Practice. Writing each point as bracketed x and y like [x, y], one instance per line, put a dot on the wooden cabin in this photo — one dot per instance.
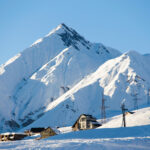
[47, 133]
[85, 122]
[33, 131]
[12, 136]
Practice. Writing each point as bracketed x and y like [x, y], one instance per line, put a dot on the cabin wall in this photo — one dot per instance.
[76, 127]
[47, 133]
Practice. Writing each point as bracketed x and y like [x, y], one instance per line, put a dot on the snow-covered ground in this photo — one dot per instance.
[139, 118]
[129, 143]
[111, 136]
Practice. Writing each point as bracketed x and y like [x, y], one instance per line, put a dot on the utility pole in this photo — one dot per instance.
[103, 112]
[123, 113]
[135, 99]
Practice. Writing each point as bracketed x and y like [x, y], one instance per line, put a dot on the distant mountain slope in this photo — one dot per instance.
[125, 77]
[41, 73]
[147, 57]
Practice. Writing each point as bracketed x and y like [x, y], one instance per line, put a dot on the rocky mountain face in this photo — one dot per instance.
[64, 75]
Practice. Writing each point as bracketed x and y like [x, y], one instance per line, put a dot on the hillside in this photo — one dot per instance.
[43, 72]
[63, 75]
[110, 136]
[121, 78]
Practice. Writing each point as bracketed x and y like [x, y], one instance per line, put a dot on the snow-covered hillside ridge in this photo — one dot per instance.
[125, 77]
[40, 74]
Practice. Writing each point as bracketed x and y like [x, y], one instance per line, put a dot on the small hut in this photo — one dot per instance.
[85, 122]
[47, 133]
[33, 131]
[12, 136]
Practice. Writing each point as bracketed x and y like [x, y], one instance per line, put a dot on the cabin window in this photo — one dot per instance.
[83, 119]
[83, 125]
[88, 125]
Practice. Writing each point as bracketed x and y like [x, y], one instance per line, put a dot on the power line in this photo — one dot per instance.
[103, 112]
[135, 99]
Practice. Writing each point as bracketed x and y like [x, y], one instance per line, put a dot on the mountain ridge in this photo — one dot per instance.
[125, 88]
[62, 70]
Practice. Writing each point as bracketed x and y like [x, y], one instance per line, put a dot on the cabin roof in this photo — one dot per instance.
[37, 129]
[49, 128]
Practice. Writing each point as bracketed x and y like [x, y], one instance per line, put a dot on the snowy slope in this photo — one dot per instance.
[41, 73]
[63, 75]
[139, 118]
[66, 109]
[15, 72]
[81, 143]
[126, 77]
[120, 78]
[107, 137]
[54, 79]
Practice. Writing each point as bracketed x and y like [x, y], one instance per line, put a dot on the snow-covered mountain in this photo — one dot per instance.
[125, 77]
[64, 75]
[35, 78]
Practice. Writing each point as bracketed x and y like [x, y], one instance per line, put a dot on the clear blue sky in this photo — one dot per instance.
[121, 24]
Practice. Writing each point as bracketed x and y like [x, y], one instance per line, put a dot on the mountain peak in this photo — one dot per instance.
[52, 66]
[59, 29]
[68, 35]
[62, 25]
[72, 38]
